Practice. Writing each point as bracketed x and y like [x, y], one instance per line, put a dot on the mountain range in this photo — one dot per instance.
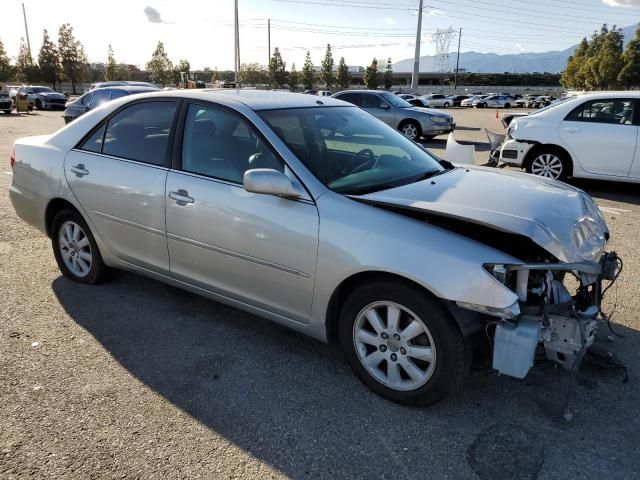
[552, 61]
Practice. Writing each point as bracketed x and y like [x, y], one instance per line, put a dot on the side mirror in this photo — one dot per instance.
[269, 182]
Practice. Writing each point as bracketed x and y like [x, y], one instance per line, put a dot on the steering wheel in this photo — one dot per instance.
[368, 164]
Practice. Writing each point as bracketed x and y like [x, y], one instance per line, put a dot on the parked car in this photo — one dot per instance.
[407, 96]
[456, 100]
[413, 122]
[97, 97]
[324, 93]
[6, 103]
[43, 98]
[469, 101]
[523, 101]
[322, 218]
[121, 83]
[310, 92]
[591, 136]
[437, 100]
[493, 101]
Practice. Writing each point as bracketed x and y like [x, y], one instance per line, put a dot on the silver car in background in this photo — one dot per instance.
[316, 215]
[396, 112]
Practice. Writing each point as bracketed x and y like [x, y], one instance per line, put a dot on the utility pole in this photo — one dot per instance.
[416, 58]
[237, 45]
[26, 29]
[269, 39]
[455, 84]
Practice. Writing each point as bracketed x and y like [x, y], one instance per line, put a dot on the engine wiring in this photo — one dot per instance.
[604, 315]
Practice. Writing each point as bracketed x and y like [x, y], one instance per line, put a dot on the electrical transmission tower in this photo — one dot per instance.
[442, 39]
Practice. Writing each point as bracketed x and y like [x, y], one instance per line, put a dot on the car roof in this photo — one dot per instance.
[127, 88]
[253, 99]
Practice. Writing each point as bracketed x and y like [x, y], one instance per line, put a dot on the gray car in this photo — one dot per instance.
[316, 215]
[97, 97]
[44, 98]
[413, 122]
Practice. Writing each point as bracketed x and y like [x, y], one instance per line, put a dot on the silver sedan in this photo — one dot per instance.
[312, 213]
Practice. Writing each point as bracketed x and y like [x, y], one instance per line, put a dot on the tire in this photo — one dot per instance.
[67, 247]
[507, 105]
[446, 105]
[411, 129]
[549, 162]
[416, 380]
[39, 104]
[7, 111]
[482, 105]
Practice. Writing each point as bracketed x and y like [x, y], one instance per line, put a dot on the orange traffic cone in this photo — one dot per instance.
[497, 116]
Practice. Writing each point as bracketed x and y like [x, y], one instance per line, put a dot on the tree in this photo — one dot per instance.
[371, 76]
[572, 75]
[609, 59]
[72, 56]
[26, 71]
[343, 77]
[49, 61]
[111, 70]
[253, 74]
[293, 78]
[184, 65]
[630, 74]
[5, 65]
[326, 68]
[160, 67]
[277, 69]
[307, 72]
[388, 75]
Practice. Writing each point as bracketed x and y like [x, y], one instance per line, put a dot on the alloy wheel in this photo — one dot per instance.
[410, 130]
[394, 345]
[75, 249]
[547, 165]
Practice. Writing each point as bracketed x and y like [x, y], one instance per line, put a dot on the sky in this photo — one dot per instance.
[202, 30]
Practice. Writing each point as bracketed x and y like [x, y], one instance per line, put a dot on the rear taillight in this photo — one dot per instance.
[12, 157]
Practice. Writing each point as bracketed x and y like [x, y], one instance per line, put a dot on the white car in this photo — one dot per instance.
[494, 101]
[437, 100]
[469, 101]
[324, 93]
[591, 136]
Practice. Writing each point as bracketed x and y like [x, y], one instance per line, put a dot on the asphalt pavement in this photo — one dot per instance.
[136, 379]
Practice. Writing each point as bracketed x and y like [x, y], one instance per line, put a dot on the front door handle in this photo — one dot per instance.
[181, 197]
[571, 130]
[79, 170]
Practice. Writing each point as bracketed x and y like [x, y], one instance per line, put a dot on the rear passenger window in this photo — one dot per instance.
[354, 98]
[140, 132]
[94, 142]
[221, 145]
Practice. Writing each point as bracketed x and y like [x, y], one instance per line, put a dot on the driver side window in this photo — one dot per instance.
[373, 101]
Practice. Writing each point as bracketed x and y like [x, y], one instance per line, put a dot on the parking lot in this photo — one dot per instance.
[136, 379]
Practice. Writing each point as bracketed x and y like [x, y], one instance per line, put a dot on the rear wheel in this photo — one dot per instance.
[411, 129]
[507, 105]
[446, 105]
[402, 343]
[39, 105]
[7, 111]
[76, 250]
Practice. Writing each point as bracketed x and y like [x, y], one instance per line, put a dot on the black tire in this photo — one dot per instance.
[416, 128]
[482, 105]
[565, 161]
[98, 271]
[39, 104]
[7, 111]
[447, 105]
[453, 354]
[507, 105]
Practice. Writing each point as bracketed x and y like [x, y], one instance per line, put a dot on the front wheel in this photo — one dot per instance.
[446, 105]
[7, 111]
[507, 105]
[76, 250]
[548, 163]
[402, 343]
[39, 105]
[411, 130]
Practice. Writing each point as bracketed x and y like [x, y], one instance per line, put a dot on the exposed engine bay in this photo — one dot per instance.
[564, 324]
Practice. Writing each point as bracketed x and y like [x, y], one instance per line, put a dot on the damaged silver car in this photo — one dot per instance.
[314, 214]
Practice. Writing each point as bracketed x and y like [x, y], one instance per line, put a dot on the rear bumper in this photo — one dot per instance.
[29, 206]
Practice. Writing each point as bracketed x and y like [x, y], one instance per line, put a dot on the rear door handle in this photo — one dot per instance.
[181, 197]
[79, 170]
[571, 130]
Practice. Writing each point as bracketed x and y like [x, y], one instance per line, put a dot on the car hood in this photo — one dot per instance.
[427, 111]
[50, 95]
[541, 209]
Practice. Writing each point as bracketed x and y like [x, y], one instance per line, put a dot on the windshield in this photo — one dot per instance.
[554, 104]
[350, 151]
[41, 89]
[394, 100]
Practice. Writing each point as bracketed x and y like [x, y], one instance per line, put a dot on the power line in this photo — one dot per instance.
[374, 6]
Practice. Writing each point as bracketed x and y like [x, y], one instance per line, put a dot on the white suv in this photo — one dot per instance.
[591, 136]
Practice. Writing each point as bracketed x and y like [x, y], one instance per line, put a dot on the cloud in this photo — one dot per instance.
[389, 21]
[622, 3]
[434, 12]
[153, 15]
[519, 47]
